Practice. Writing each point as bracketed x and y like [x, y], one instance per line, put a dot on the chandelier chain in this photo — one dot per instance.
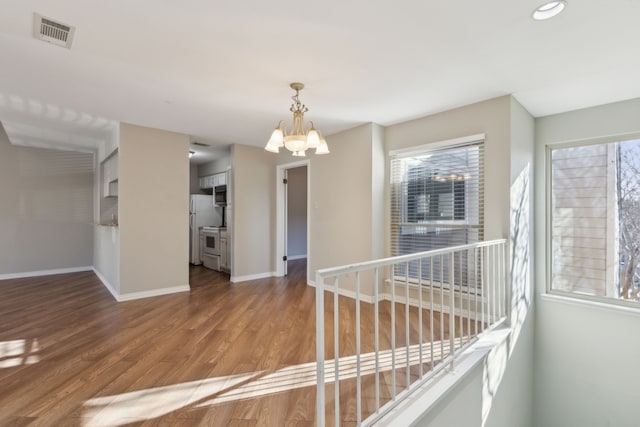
[297, 106]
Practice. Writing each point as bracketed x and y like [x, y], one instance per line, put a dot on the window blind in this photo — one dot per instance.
[437, 199]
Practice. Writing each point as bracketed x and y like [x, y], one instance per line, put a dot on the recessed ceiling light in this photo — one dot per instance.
[548, 10]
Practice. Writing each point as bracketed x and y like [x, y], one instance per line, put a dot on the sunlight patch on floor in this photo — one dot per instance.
[19, 352]
[151, 403]
[300, 376]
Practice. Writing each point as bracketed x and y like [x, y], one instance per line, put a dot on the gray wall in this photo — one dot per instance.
[586, 354]
[221, 164]
[46, 214]
[252, 216]
[153, 208]
[297, 212]
[194, 181]
[342, 211]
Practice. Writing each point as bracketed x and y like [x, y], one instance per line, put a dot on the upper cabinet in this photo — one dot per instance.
[110, 175]
[211, 181]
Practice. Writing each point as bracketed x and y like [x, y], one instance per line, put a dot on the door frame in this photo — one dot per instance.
[281, 214]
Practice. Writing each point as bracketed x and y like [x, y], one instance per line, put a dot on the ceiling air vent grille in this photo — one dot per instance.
[50, 31]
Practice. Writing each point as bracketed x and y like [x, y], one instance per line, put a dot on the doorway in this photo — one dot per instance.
[292, 217]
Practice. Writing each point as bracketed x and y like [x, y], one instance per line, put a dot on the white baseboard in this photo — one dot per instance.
[294, 257]
[345, 292]
[44, 272]
[153, 293]
[139, 295]
[105, 282]
[107, 285]
[236, 279]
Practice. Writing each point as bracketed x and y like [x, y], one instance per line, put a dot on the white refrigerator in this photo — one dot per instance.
[201, 214]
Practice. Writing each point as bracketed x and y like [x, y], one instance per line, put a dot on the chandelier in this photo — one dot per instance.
[297, 139]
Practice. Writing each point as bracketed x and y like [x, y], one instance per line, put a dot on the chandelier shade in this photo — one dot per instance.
[298, 139]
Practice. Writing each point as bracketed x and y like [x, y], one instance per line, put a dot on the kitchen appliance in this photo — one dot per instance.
[220, 194]
[201, 214]
[211, 247]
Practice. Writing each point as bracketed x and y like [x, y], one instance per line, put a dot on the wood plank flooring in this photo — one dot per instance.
[220, 355]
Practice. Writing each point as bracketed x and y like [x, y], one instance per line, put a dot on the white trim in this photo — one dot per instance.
[236, 279]
[603, 139]
[44, 272]
[280, 217]
[449, 143]
[344, 292]
[106, 284]
[548, 188]
[154, 293]
[576, 301]
[295, 257]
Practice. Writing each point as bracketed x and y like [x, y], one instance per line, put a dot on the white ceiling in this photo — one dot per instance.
[219, 71]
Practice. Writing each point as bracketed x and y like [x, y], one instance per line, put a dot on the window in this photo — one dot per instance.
[436, 199]
[595, 219]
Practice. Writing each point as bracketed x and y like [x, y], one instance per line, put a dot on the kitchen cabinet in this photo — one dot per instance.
[212, 181]
[220, 179]
[224, 250]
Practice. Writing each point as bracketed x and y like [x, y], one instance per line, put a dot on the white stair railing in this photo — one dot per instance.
[446, 298]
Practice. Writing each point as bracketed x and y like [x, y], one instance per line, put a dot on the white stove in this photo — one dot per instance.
[210, 242]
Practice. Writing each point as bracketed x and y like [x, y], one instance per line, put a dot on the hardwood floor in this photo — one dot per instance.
[220, 355]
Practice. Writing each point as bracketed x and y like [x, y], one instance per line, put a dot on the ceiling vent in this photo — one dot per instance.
[50, 31]
[200, 144]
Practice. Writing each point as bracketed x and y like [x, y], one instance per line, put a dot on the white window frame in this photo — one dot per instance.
[420, 150]
[609, 301]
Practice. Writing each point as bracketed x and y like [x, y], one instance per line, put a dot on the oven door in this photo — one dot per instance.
[211, 261]
[211, 243]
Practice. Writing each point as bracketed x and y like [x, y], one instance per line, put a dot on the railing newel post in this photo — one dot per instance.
[452, 303]
[420, 314]
[377, 337]
[393, 334]
[358, 374]
[320, 392]
[336, 345]
[406, 325]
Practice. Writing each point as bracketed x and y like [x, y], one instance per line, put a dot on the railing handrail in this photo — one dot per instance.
[496, 273]
[366, 265]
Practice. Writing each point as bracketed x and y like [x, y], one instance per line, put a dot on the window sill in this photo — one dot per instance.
[613, 306]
